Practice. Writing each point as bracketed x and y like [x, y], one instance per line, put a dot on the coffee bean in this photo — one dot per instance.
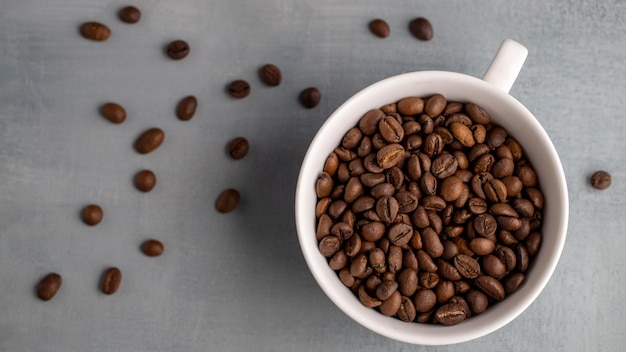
[495, 137]
[145, 180]
[424, 300]
[601, 180]
[92, 215]
[528, 177]
[373, 231]
[493, 266]
[484, 164]
[95, 31]
[533, 242]
[111, 280]
[521, 254]
[536, 197]
[368, 124]
[379, 28]
[421, 29]
[238, 89]
[433, 203]
[477, 301]
[485, 225]
[502, 168]
[113, 112]
[228, 200]
[149, 140]
[390, 306]
[444, 291]
[435, 105]
[129, 14]
[433, 145]
[339, 260]
[238, 148]
[152, 248]
[178, 49]
[461, 287]
[407, 202]
[48, 286]
[513, 282]
[407, 282]
[411, 106]
[495, 191]
[271, 75]
[451, 188]
[391, 130]
[450, 314]
[390, 155]
[447, 270]
[342, 230]
[467, 266]
[463, 134]
[400, 234]
[395, 177]
[367, 300]
[407, 311]
[394, 259]
[491, 287]
[444, 166]
[187, 108]
[310, 97]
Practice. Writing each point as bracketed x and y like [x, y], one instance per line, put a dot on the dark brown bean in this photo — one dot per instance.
[407, 201]
[421, 29]
[435, 105]
[373, 231]
[463, 134]
[238, 89]
[394, 259]
[513, 282]
[178, 50]
[467, 266]
[411, 106]
[150, 140]
[491, 287]
[406, 312]
[390, 155]
[400, 234]
[407, 282]
[390, 306]
[521, 254]
[111, 280]
[353, 190]
[425, 300]
[451, 188]
[533, 243]
[448, 271]
[601, 180]
[145, 180]
[48, 286]
[113, 112]
[239, 147]
[310, 97]
[450, 314]
[432, 243]
[95, 31]
[228, 200]
[187, 108]
[477, 301]
[92, 214]
[428, 280]
[379, 28]
[129, 14]
[391, 130]
[271, 75]
[493, 266]
[367, 300]
[152, 248]
[444, 291]
[386, 289]
[485, 225]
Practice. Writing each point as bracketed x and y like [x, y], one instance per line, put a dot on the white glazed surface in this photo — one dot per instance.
[505, 111]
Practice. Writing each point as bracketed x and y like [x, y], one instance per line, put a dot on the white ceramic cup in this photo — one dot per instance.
[491, 93]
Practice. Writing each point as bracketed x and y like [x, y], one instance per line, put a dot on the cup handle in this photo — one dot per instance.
[506, 65]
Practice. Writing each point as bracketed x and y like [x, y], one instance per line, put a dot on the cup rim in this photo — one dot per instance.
[432, 334]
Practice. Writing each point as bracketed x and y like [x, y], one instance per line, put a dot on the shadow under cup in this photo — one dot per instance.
[505, 111]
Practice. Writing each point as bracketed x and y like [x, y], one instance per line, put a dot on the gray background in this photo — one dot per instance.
[238, 282]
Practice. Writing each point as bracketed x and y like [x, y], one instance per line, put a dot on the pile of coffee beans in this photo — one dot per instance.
[428, 211]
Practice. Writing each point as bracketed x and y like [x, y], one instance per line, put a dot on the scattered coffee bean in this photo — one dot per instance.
[310, 97]
[177, 50]
[429, 211]
[149, 140]
[92, 215]
[111, 280]
[145, 180]
[187, 108]
[421, 29]
[95, 31]
[239, 89]
[129, 14]
[227, 200]
[379, 28]
[238, 148]
[152, 248]
[48, 286]
[601, 180]
[271, 75]
[113, 112]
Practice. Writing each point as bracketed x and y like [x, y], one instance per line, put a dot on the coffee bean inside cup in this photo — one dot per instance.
[428, 211]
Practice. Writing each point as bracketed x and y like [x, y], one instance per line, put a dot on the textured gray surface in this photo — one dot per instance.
[237, 282]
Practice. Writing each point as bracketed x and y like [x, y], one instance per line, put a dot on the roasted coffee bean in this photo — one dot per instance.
[368, 124]
[187, 108]
[390, 306]
[95, 31]
[227, 201]
[358, 265]
[484, 163]
[424, 300]
[409, 260]
[435, 105]
[331, 164]
[521, 254]
[323, 226]
[506, 238]
[513, 186]
[379, 28]
[444, 291]
[477, 301]
[467, 266]
[342, 230]
[451, 188]
[462, 162]
[271, 75]
[601, 180]
[536, 198]
[504, 152]
[390, 155]
[448, 271]
[419, 217]
[353, 190]
[460, 300]
[478, 181]
[463, 134]
[495, 137]
[48, 286]
[446, 135]
[113, 112]
[428, 280]
[386, 289]
[373, 231]
[433, 145]
[346, 278]
[503, 209]
[421, 29]
[502, 168]
[527, 175]
[377, 260]
[149, 140]
[238, 148]
[378, 141]
[450, 314]
[343, 173]
[477, 114]
[329, 245]
[394, 259]
[395, 176]
[111, 280]
[92, 214]
[432, 243]
[348, 217]
[322, 206]
[407, 201]
[452, 108]
[339, 260]
[363, 203]
[152, 248]
[178, 50]
[129, 14]
[367, 300]
[482, 246]
[428, 183]
[450, 250]
[406, 312]
[352, 138]
[238, 89]
[353, 245]
[391, 130]
[477, 151]
[365, 147]
[400, 234]
[444, 166]
[493, 266]
[479, 132]
[412, 128]
[425, 262]
[491, 287]
[513, 282]
[407, 282]
[371, 180]
[310, 97]
[383, 190]
[371, 282]
[524, 207]
[461, 287]
[510, 223]
[485, 225]
[145, 180]
[433, 203]
[506, 256]
[337, 192]
[427, 123]
[533, 243]
[495, 191]
[345, 154]
[411, 106]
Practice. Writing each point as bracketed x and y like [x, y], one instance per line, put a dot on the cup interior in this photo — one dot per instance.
[505, 111]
